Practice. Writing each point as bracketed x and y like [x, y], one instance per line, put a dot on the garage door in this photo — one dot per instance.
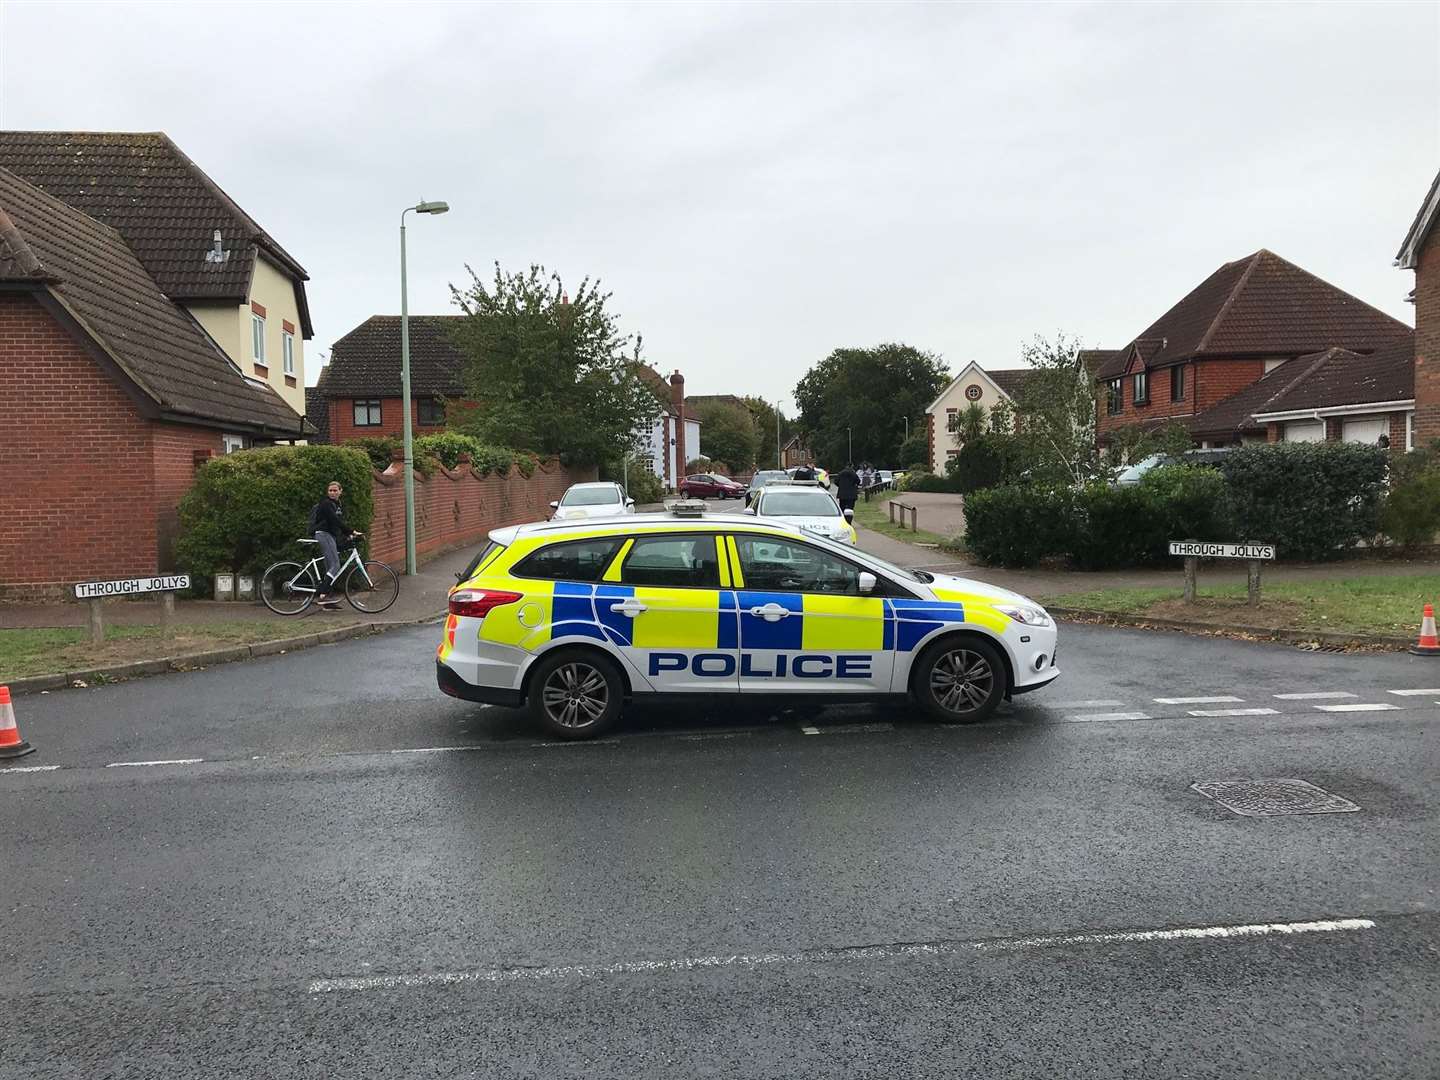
[1367, 431]
[1305, 431]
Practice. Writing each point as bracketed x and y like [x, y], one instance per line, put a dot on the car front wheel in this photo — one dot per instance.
[960, 680]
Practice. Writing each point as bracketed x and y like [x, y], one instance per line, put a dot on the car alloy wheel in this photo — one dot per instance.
[962, 681]
[576, 695]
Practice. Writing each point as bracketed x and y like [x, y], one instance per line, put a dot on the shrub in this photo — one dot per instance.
[915, 451]
[1411, 514]
[699, 465]
[1019, 525]
[980, 464]
[1311, 500]
[245, 510]
[446, 446]
[929, 482]
[379, 448]
[644, 485]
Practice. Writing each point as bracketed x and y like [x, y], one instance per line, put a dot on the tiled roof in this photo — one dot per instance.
[1092, 360]
[1009, 379]
[1261, 305]
[88, 268]
[1425, 218]
[160, 201]
[317, 413]
[366, 361]
[699, 401]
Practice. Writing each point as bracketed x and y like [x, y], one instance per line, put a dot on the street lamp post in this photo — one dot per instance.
[408, 436]
[849, 446]
[779, 453]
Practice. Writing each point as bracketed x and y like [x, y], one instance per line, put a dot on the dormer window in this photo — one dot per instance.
[1141, 393]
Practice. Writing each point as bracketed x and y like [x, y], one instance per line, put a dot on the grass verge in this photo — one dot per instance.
[52, 650]
[1366, 605]
[875, 517]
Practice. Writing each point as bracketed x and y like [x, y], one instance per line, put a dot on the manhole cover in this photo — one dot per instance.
[1271, 798]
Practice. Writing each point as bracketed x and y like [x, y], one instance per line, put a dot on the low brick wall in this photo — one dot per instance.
[456, 508]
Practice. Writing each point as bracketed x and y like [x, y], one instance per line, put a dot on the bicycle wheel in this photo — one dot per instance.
[276, 590]
[372, 587]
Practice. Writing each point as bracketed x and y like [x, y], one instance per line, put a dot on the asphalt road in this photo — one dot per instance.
[336, 871]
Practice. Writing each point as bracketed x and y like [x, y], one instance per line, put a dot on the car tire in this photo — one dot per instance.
[575, 694]
[959, 679]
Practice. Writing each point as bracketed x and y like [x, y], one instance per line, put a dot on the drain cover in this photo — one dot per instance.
[1272, 798]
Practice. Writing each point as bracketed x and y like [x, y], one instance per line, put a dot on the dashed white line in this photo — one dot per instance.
[1233, 712]
[1085, 717]
[1415, 693]
[1381, 706]
[29, 768]
[1195, 700]
[435, 749]
[147, 764]
[810, 730]
[1318, 695]
[821, 956]
[847, 729]
[1102, 703]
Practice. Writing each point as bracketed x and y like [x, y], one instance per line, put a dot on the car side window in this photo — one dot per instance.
[774, 564]
[671, 562]
[572, 560]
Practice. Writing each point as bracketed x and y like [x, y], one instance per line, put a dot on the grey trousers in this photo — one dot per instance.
[332, 559]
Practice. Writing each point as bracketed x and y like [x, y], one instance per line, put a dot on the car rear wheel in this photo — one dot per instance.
[959, 680]
[576, 694]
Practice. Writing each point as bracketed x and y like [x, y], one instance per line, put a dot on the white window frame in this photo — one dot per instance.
[356, 403]
[230, 443]
[257, 337]
[1140, 387]
[287, 352]
[1409, 431]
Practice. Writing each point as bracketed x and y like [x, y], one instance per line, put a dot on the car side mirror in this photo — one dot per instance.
[554, 506]
[459, 577]
[849, 514]
[867, 583]
[750, 510]
[629, 502]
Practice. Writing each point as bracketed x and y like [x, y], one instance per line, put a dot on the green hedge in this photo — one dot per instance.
[1018, 525]
[1411, 514]
[1132, 525]
[247, 509]
[1311, 500]
[930, 482]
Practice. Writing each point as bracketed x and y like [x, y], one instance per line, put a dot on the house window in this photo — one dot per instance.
[1114, 397]
[952, 421]
[230, 443]
[367, 413]
[432, 411]
[287, 352]
[1142, 388]
[1177, 383]
[257, 337]
[1409, 431]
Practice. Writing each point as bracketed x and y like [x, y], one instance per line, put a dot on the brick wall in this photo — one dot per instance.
[176, 451]
[342, 420]
[1216, 380]
[453, 509]
[1427, 342]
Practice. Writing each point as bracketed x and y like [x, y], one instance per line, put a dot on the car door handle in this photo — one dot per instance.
[628, 607]
[770, 612]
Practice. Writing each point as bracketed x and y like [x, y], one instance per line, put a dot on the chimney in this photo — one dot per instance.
[677, 406]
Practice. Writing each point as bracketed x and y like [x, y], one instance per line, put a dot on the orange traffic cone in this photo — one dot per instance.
[1429, 644]
[11, 745]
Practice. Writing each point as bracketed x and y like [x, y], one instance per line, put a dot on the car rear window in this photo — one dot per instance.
[492, 548]
[598, 496]
[571, 560]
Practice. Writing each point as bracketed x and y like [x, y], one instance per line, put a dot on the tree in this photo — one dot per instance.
[727, 432]
[549, 373]
[971, 423]
[1055, 410]
[915, 451]
[764, 415]
[1132, 443]
[870, 392]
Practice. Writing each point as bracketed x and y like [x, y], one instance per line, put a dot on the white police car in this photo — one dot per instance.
[572, 618]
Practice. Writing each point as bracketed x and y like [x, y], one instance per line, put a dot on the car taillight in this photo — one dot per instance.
[477, 603]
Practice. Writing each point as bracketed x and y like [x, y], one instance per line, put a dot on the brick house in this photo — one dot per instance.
[1229, 360]
[1420, 252]
[113, 394]
[199, 247]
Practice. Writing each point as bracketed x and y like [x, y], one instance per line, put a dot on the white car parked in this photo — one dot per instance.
[812, 509]
[604, 498]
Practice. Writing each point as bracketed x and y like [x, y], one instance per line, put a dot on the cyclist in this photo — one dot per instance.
[327, 525]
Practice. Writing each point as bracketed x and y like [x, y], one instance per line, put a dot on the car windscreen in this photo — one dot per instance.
[799, 504]
[598, 496]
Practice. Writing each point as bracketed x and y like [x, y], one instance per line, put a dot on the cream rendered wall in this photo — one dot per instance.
[954, 398]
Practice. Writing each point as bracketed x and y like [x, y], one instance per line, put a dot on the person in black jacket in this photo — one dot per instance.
[327, 525]
[847, 487]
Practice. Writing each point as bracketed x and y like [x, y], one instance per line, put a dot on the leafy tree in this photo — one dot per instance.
[1133, 443]
[764, 415]
[870, 392]
[1055, 407]
[728, 435]
[915, 451]
[550, 373]
[971, 423]
[980, 464]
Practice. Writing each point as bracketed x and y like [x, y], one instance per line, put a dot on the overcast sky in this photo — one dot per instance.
[759, 184]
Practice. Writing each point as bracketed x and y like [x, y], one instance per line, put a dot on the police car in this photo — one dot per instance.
[572, 618]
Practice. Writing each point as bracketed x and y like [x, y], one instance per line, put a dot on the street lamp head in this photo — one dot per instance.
[432, 208]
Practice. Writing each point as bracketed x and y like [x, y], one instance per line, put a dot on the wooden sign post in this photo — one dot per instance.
[1252, 552]
[95, 591]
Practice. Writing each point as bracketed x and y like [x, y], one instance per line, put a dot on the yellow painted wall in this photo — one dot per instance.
[229, 325]
[954, 398]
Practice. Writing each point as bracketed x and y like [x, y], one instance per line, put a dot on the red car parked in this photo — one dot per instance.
[710, 486]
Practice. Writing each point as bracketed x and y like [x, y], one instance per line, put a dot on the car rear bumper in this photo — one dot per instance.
[451, 683]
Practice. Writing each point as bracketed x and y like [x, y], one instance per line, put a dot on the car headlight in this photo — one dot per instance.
[1025, 613]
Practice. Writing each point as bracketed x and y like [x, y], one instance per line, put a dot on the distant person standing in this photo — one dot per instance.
[847, 487]
[805, 472]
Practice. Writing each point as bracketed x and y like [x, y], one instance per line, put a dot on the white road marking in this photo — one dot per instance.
[1102, 703]
[1319, 695]
[846, 729]
[436, 749]
[1233, 712]
[29, 768]
[1081, 718]
[1414, 693]
[1195, 700]
[810, 730]
[821, 956]
[146, 764]
[1358, 707]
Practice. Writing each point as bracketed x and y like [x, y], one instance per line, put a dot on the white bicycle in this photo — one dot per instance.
[288, 588]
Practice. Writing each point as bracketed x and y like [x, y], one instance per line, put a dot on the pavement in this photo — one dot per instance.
[317, 865]
[936, 512]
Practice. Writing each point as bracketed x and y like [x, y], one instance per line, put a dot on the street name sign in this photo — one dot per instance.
[1201, 549]
[94, 590]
